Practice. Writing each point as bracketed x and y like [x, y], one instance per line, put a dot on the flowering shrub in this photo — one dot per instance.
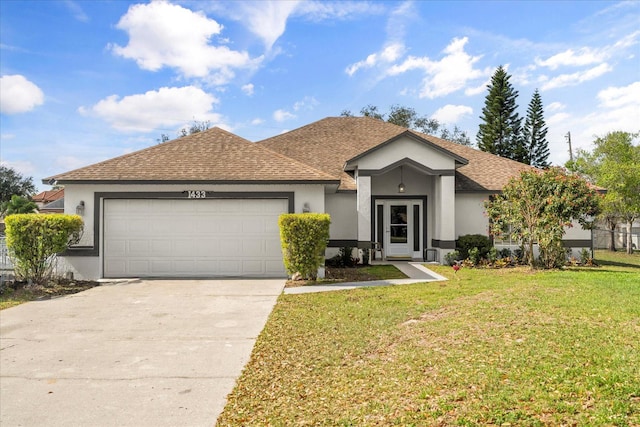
[538, 205]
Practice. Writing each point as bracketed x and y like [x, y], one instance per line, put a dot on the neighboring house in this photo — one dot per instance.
[207, 204]
[57, 206]
[45, 197]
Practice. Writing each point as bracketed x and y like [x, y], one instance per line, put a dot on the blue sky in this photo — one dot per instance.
[84, 81]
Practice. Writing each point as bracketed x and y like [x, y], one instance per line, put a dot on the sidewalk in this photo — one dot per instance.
[415, 271]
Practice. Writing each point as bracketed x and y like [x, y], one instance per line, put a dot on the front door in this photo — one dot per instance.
[401, 224]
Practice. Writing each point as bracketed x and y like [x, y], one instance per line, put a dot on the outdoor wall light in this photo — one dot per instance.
[306, 208]
[80, 208]
[401, 187]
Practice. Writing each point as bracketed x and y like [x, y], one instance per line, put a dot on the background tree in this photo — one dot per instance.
[408, 117]
[500, 130]
[614, 164]
[13, 183]
[535, 134]
[18, 205]
[195, 127]
[537, 206]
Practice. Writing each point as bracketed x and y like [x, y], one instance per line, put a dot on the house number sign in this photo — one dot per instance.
[196, 194]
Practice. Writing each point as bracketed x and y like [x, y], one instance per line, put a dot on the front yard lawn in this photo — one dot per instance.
[488, 347]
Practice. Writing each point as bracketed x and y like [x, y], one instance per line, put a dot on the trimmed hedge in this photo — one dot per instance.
[470, 241]
[33, 240]
[304, 239]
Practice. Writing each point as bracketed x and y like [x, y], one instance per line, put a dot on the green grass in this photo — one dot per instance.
[488, 347]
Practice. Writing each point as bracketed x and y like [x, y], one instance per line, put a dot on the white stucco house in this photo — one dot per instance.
[207, 204]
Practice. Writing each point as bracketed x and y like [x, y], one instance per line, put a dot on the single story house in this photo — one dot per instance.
[207, 204]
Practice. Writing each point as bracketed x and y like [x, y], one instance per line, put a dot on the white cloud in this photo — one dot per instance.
[23, 167]
[7, 136]
[163, 34]
[451, 113]
[282, 115]
[268, 19]
[19, 95]
[587, 55]
[613, 97]
[582, 57]
[248, 89]
[257, 121]
[390, 53]
[76, 11]
[449, 74]
[166, 107]
[321, 10]
[555, 106]
[69, 162]
[575, 78]
[308, 103]
[557, 119]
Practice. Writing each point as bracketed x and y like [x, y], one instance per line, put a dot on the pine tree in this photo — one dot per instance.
[500, 132]
[535, 134]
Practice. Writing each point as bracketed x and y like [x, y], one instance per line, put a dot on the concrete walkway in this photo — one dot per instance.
[145, 353]
[415, 271]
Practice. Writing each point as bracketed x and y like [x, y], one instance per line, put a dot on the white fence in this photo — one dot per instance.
[602, 238]
[5, 261]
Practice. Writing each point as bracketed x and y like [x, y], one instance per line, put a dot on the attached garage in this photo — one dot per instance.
[192, 237]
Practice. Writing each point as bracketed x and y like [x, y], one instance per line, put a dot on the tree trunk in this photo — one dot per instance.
[612, 238]
[629, 237]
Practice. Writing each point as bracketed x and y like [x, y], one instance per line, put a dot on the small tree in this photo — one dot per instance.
[304, 239]
[538, 205]
[614, 164]
[18, 205]
[33, 240]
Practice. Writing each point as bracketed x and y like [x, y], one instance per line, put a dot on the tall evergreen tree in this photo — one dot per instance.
[500, 131]
[535, 134]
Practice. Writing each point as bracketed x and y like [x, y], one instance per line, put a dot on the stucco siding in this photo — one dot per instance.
[470, 214]
[344, 217]
[397, 150]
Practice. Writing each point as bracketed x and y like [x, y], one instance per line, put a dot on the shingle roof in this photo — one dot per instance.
[328, 143]
[48, 196]
[212, 155]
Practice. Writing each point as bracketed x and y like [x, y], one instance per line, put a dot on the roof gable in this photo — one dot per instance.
[414, 136]
[214, 155]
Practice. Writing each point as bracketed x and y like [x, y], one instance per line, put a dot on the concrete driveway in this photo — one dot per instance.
[145, 353]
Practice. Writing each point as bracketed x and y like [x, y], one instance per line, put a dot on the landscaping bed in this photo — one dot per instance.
[15, 292]
[360, 273]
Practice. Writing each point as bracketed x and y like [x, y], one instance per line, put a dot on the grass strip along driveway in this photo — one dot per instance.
[488, 347]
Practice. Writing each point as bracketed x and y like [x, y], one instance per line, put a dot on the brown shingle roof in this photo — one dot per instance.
[328, 143]
[212, 155]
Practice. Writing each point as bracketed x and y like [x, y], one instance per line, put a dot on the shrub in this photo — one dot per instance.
[492, 255]
[474, 256]
[33, 240]
[505, 253]
[452, 257]
[345, 256]
[470, 241]
[304, 239]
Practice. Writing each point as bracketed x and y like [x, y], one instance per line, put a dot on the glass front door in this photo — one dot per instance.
[401, 223]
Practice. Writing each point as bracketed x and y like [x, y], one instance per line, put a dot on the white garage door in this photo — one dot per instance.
[193, 238]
